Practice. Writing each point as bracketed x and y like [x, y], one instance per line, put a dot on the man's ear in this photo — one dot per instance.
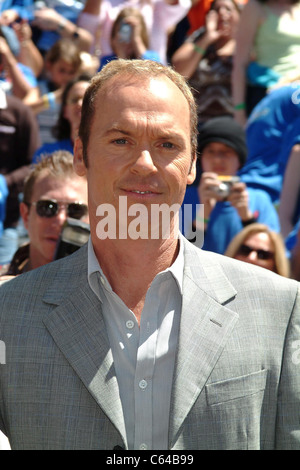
[192, 173]
[24, 211]
[78, 162]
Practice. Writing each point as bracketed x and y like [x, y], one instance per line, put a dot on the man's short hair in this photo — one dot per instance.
[58, 164]
[145, 69]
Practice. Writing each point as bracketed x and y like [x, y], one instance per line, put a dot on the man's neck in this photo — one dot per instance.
[36, 259]
[131, 265]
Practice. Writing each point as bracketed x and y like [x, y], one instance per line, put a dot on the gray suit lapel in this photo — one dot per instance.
[204, 329]
[78, 328]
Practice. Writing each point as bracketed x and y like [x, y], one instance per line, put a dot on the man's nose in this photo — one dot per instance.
[252, 256]
[223, 12]
[79, 101]
[61, 216]
[219, 156]
[143, 163]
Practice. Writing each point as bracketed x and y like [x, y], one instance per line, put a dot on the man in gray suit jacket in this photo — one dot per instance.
[140, 340]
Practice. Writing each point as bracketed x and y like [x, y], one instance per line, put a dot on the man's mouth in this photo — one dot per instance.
[141, 192]
[52, 238]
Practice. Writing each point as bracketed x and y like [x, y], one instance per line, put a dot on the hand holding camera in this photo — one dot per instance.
[214, 188]
[226, 185]
[208, 191]
[125, 32]
[239, 198]
[128, 42]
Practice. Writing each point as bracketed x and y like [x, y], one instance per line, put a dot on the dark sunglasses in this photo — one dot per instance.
[48, 208]
[245, 250]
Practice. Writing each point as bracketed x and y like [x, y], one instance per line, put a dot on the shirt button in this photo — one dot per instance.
[130, 324]
[143, 384]
[143, 447]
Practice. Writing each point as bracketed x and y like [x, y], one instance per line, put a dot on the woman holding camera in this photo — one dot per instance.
[160, 17]
[129, 38]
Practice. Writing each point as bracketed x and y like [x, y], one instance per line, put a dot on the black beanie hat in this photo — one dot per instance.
[226, 131]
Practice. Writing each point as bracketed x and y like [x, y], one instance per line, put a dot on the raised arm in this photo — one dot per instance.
[21, 88]
[49, 20]
[251, 17]
[29, 54]
[187, 57]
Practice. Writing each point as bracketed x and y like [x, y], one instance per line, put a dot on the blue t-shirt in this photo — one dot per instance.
[28, 74]
[48, 148]
[273, 128]
[22, 7]
[47, 118]
[225, 223]
[69, 9]
[3, 197]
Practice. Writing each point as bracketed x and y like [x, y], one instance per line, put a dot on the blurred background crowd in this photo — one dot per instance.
[242, 59]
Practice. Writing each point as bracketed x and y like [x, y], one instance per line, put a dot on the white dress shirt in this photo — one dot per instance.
[144, 357]
[4, 442]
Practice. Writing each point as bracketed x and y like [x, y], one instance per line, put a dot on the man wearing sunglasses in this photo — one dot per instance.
[147, 343]
[52, 192]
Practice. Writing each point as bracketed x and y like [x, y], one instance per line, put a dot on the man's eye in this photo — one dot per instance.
[120, 141]
[168, 145]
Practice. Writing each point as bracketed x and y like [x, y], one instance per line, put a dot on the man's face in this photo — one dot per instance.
[44, 232]
[219, 158]
[61, 72]
[258, 249]
[139, 145]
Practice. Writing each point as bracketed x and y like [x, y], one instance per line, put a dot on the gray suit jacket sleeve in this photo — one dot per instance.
[288, 412]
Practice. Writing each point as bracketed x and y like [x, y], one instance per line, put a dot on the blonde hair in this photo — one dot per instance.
[58, 164]
[66, 50]
[282, 265]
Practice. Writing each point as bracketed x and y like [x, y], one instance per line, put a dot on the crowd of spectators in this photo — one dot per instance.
[245, 85]
[241, 59]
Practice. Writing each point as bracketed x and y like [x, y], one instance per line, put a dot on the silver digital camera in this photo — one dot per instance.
[225, 187]
[75, 233]
[125, 32]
